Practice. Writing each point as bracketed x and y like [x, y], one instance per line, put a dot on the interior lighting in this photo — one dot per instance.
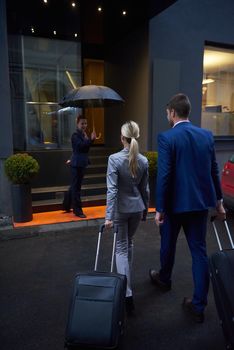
[71, 80]
[124, 12]
[45, 1]
[54, 32]
[207, 81]
[73, 4]
[99, 9]
[75, 35]
[32, 30]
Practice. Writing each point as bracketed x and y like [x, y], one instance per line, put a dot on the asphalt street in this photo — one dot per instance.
[36, 278]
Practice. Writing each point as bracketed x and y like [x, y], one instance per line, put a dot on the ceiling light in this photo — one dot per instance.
[32, 30]
[54, 32]
[99, 9]
[71, 80]
[45, 1]
[75, 35]
[207, 81]
[124, 12]
[73, 4]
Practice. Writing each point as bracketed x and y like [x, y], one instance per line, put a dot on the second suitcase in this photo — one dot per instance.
[222, 276]
[96, 313]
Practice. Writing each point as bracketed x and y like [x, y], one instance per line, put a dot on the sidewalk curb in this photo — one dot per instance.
[9, 232]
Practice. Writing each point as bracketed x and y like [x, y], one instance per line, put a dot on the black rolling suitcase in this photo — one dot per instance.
[96, 312]
[221, 266]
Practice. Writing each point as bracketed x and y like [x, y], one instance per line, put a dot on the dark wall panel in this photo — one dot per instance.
[6, 146]
[178, 35]
[163, 71]
[6, 122]
[126, 71]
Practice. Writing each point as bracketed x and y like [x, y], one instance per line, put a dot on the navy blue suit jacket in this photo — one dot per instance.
[188, 174]
[80, 149]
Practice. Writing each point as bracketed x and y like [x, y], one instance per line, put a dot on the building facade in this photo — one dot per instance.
[192, 50]
[188, 47]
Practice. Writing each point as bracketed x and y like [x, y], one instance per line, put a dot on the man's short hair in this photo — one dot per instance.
[79, 117]
[181, 104]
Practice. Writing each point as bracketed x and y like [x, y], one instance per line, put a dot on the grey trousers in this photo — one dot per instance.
[127, 224]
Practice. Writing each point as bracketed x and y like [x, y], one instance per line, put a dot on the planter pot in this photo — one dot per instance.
[22, 202]
[152, 187]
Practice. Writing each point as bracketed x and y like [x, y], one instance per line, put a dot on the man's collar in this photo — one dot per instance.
[181, 121]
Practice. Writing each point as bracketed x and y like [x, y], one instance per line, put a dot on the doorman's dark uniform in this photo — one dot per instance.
[79, 161]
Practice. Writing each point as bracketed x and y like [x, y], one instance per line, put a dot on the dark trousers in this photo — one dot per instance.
[77, 178]
[194, 226]
[67, 200]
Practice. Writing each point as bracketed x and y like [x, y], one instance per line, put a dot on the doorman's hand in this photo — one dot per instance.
[159, 218]
[93, 136]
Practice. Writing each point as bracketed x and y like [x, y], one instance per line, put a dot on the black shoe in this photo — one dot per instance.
[129, 305]
[188, 306]
[80, 214]
[155, 279]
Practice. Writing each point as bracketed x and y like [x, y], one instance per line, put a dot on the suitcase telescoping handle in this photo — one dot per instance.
[212, 219]
[115, 228]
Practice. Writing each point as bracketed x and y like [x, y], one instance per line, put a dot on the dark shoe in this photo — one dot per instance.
[80, 214]
[129, 305]
[83, 216]
[190, 309]
[155, 279]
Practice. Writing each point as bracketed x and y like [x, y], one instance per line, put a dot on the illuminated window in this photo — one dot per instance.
[218, 91]
[47, 71]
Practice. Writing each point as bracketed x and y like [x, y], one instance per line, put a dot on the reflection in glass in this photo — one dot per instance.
[42, 71]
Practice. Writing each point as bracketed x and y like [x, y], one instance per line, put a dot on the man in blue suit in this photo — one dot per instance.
[187, 185]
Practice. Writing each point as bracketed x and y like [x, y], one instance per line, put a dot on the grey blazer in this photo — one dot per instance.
[126, 194]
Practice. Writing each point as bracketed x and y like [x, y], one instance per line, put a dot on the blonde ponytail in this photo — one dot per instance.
[133, 152]
[131, 132]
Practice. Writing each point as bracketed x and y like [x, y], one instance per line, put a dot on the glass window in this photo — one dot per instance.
[231, 159]
[48, 69]
[218, 91]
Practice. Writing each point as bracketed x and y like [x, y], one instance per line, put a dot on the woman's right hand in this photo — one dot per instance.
[108, 224]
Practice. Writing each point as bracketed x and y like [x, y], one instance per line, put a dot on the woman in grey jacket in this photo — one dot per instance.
[127, 200]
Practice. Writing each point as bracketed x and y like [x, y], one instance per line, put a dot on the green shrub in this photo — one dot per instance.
[20, 168]
[152, 157]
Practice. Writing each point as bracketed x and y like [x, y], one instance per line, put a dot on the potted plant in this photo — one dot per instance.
[152, 157]
[20, 168]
